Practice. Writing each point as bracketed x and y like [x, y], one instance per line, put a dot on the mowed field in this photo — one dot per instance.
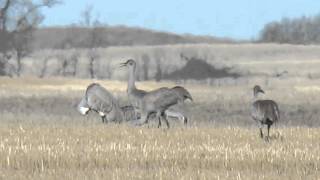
[42, 136]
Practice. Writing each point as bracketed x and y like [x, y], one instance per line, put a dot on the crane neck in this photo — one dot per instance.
[256, 96]
[131, 79]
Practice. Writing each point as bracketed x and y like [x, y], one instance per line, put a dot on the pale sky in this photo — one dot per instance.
[239, 19]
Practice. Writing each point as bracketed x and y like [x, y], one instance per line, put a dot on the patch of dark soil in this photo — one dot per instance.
[200, 69]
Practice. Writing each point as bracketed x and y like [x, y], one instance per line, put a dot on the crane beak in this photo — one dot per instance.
[261, 91]
[123, 64]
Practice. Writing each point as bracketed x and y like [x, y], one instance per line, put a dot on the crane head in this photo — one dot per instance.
[257, 89]
[181, 91]
[129, 62]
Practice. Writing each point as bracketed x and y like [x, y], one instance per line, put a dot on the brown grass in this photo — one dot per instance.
[43, 137]
[121, 152]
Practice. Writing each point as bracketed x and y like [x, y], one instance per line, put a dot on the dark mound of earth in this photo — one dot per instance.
[199, 69]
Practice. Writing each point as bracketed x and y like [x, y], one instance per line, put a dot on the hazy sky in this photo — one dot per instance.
[240, 19]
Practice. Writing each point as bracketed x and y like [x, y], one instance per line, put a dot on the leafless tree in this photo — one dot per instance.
[69, 62]
[87, 16]
[44, 66]
[159, 56]
[108, 70]
[158, 75]
[63, 63]
[302, 30]
[145, 66]
[94, 39]
[74, 60]
[93, 56]
[18, 19]
[21, 47]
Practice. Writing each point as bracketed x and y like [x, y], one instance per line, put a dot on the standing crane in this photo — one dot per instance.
[264, 112]
[157, 101]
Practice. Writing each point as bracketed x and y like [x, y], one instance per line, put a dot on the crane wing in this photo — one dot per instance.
[162, 98]
[99, 98]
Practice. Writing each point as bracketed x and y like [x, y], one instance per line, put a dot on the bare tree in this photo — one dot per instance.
[93, 56]
[86, 16]
[94, 38]
[21, 48]
[68, 63]
[44, 68]
[303, 30]
[63, 64]
[159, 71]
[74, 59]
[109, 70]
[145, 66]
[158, 75]
[18, 19]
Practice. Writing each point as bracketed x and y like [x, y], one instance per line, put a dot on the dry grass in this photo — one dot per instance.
[121, 152]
[43, 137]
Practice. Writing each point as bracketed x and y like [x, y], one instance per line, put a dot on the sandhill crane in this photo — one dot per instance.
[135, 95]
[156, 101]
[100, 100]
[264, 111]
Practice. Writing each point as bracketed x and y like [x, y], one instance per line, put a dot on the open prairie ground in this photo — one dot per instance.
[43, 137]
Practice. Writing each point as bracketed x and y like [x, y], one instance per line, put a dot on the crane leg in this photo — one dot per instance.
[269, 125]
[185, 121]
[260, 125]
[158, 116]
[143, 120]
[261, 134]
[135, 115]
[104, 119]
[166, 120]
[159, 122]
[178, 115]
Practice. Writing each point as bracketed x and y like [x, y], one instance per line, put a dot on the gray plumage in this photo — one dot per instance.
[264, 112]
[157, 101]
[100, 100]
[182, 92]
[134, 95]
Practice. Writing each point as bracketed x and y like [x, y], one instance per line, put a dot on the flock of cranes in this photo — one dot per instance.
[145, 104]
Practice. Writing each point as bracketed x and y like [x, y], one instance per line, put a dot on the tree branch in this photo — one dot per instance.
[3, 14]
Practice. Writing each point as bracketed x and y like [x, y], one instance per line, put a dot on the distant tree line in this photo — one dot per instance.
[303, 30]
[18, 20]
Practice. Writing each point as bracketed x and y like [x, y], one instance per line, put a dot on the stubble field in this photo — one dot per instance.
[43, 137]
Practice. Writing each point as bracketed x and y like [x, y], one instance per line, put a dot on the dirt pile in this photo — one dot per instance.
[199, 69]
